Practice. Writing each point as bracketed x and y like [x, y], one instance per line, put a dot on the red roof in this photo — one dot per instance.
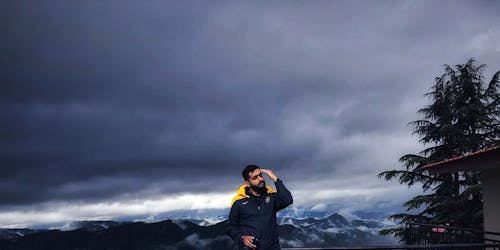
[450, 165]
[460, 157]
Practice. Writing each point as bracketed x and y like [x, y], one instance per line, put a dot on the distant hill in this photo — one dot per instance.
[333, 230]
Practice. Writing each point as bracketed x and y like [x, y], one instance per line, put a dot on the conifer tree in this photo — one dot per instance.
[463, 117]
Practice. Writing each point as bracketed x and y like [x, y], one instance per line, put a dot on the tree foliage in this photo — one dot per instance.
[463, 117]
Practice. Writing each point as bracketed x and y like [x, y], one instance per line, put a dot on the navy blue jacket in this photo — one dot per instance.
[256, 215]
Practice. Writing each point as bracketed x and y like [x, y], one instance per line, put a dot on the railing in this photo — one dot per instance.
[425, 236]
[471, 246]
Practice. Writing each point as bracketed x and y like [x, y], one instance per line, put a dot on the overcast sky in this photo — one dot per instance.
[120, 108]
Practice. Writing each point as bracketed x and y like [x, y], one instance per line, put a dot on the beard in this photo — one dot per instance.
[260, 188]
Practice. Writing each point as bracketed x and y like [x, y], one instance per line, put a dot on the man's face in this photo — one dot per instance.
[256, 180]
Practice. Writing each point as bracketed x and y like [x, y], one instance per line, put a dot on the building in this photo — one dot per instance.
[488, 162]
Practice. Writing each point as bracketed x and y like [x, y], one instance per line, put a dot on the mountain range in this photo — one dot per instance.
[333, 230]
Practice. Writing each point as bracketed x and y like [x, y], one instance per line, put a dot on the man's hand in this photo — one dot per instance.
[270, 174]
[248, 241]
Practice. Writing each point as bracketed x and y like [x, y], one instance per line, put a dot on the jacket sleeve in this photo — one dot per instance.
[233, 229]
[283, 196]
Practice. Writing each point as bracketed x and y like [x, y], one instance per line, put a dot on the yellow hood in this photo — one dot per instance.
[241, 194]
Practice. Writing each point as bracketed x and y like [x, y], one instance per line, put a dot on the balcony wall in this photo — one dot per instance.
[491, 200]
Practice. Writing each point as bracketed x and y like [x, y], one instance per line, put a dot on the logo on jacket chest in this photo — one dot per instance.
[267, 199]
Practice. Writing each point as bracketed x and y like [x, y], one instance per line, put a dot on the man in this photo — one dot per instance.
[252, 220]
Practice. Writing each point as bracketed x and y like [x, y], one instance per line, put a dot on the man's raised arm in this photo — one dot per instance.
[284, 196]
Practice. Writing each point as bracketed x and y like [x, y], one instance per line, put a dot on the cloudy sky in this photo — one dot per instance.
[134, 108]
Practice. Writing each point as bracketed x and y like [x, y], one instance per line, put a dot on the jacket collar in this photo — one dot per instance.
[242, 193]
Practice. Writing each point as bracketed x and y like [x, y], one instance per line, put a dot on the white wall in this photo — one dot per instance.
[491, 200]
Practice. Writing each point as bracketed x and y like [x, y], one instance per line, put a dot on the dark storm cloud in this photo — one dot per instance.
[103, 100]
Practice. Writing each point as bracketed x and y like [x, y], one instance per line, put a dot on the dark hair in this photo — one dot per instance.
[247, 170]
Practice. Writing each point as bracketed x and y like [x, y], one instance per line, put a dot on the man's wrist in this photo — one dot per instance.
[274, 178]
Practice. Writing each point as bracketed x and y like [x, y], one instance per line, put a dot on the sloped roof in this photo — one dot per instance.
[479, 160]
